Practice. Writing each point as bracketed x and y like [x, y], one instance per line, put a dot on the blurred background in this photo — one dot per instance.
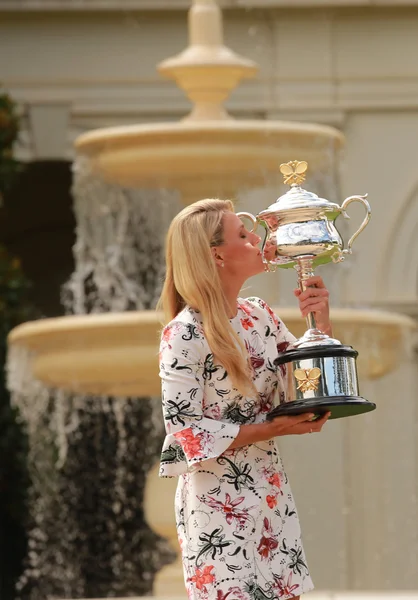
[113, 115]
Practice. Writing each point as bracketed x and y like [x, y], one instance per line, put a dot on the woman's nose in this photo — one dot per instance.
[257, 239]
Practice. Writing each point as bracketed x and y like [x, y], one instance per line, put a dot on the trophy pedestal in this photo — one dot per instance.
[338, 406]
[323, 378]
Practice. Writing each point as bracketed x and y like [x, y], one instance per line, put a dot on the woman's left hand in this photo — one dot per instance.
[315, 299]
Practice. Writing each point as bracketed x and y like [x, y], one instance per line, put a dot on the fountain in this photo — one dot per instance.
[208, 153]
[129, 181]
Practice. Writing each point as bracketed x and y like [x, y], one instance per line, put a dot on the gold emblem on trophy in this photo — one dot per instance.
[308, 379]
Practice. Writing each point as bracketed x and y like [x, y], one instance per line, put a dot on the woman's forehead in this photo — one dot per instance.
[231, 222]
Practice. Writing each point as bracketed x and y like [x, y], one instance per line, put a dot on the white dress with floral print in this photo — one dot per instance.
[237, 524]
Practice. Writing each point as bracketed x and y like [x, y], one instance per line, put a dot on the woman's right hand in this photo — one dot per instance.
[297, 424]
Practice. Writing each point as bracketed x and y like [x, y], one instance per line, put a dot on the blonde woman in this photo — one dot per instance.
[237, 524]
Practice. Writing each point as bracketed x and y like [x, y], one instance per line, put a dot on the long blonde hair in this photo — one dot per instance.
[192, 279]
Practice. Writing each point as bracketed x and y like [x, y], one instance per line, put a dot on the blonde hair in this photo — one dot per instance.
[192, 279]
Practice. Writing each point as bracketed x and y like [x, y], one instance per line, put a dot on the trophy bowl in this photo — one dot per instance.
[300, 233]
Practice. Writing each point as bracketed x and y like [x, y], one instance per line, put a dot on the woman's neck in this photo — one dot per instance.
[231, 291]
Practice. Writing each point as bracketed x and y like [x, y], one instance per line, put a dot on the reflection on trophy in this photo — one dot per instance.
[300, 232]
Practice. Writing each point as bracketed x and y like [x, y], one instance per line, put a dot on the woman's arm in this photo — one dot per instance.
[296, 425]
[181, 372]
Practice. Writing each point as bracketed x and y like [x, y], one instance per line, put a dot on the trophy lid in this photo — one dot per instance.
[294, 173]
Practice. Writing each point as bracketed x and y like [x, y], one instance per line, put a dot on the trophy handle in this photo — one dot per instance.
[246, 215]
[366, 219]
[251, 217]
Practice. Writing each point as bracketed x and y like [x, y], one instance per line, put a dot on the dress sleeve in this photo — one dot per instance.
[182, 358]
[284, 338]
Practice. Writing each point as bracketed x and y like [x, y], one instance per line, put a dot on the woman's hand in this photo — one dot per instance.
[261, 432]
[298, 424]
[315, 299]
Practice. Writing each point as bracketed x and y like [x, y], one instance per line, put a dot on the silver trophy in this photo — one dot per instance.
[300, 232]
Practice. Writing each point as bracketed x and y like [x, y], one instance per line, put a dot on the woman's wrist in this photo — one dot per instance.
[327, 329]
[269, 430]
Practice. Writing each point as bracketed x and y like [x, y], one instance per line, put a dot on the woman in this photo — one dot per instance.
[237, 524]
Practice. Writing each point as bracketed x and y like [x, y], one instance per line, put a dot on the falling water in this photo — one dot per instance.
[88, 459]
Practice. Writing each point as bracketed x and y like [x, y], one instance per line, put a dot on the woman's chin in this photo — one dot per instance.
[259, 269]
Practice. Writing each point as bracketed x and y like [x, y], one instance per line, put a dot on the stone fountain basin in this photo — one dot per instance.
[117, 353]
[228, 153]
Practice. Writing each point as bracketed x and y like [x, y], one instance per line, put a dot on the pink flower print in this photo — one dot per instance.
[255, 352]
[247, 323]
[247, 308]
[191, 444]
[282, 347]
[275, 480]
[202, 578]
[268, 541]
[169, 332]
[271, 501]
[238, 593]
[267, 472]
[285, 588]
[229, 509]
[266, 402]
[216, 412]
[167, 335]
[272, 315]
[221, 596]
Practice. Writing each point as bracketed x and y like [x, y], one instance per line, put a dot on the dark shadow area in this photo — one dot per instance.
[37, 225]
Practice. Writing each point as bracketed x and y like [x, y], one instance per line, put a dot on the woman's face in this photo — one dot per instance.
[239, 252]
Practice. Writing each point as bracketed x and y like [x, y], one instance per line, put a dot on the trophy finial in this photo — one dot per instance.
[294, 171]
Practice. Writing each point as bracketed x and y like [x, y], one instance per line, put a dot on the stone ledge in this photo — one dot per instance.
[170, 5]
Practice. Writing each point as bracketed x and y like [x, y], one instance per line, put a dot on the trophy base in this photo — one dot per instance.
[339, 406]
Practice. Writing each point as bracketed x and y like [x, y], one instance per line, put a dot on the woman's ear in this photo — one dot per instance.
[217, 256]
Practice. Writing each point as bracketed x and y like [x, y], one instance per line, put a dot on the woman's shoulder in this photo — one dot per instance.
[257, 309]
[186, 326]
[256, 306]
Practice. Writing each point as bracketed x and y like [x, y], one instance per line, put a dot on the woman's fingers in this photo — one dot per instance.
[312, 426]
[292, 420]
[285, 424]
[300, 424]
[316, 280]
[320, 422]
[302, 418]
[317, 307]
[315, 285]
[313, 293]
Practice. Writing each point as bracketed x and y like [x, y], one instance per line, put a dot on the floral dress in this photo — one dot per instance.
[237, 524]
